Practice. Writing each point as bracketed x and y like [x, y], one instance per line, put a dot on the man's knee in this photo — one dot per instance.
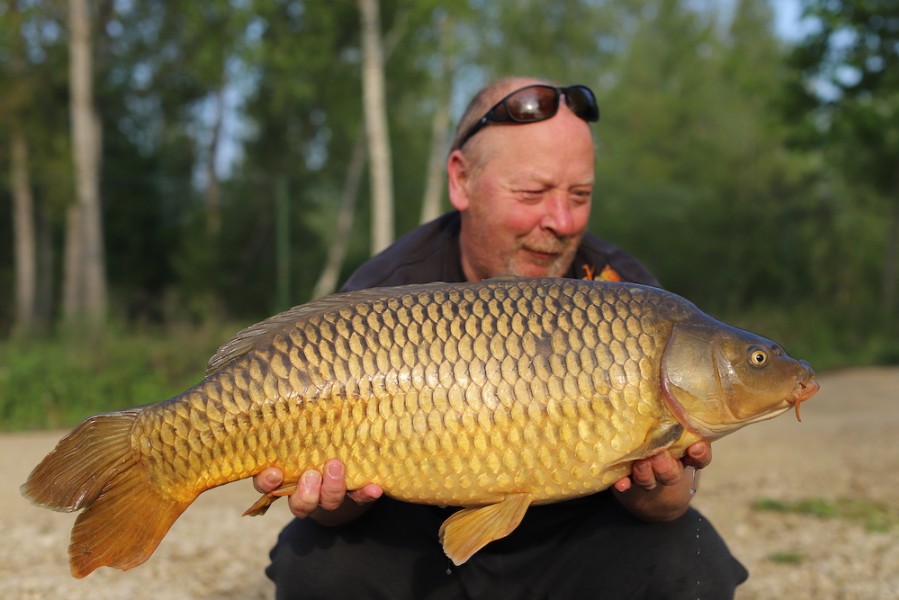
[692, 560]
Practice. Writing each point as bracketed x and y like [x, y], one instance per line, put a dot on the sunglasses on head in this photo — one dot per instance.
[535, 103]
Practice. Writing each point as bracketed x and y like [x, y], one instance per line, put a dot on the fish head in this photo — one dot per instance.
[717, 378]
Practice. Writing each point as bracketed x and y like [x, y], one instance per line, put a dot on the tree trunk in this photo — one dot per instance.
[85, 285]
[24, 246]
[46, 268]
[327, 281]
[213, 187]
[430, 206]
[890, 262]
[376, 126]
[23, 232]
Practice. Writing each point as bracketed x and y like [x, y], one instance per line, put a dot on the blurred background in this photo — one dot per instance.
[172, 172]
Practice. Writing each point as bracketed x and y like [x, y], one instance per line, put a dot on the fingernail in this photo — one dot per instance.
[335, 469]
[311, 480]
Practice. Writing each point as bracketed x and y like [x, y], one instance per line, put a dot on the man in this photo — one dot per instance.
[520, 177]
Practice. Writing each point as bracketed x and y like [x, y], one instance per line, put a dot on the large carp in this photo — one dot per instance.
[490, 396]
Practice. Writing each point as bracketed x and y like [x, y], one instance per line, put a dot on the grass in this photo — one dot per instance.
[50, 383]
[874, 516]
[787, 558]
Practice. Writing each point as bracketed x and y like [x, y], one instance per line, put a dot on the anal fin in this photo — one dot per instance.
[261, 506]
[470, 529]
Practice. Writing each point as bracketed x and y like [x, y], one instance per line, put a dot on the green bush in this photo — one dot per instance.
[48, 383]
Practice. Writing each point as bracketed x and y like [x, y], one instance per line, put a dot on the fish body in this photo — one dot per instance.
[491, 396]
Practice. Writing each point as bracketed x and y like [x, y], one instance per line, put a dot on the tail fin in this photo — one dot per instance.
[95, 468]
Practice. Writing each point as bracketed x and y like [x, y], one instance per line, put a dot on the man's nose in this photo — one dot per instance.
[557, 215]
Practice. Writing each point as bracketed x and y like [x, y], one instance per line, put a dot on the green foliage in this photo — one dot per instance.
[850, 67]
[744, 192]
[824, 335]
[47, 383]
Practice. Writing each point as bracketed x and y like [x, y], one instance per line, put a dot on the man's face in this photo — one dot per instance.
[525, 210]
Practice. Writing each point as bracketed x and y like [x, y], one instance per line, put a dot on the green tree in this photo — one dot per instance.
[34, 144]
[850, 64]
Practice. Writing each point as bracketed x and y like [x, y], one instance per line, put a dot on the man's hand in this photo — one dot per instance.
[660, 487]
[321, 496]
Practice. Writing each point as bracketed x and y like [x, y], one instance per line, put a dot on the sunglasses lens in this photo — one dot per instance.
[535, 103]
[532, 104]
[582, 102]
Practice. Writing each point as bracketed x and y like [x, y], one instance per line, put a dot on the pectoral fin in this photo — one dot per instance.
[662, 438]
[470, 529]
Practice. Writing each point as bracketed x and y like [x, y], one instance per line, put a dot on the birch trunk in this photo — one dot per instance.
[890, 262]
[328, 279]
[376, 126]
[23, 232]
[85, 279]
[213, 192]
[430, 205]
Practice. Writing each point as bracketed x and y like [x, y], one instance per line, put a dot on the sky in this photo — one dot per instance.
[786, 15]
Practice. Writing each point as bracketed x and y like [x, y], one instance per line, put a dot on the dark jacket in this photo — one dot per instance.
[431, 253]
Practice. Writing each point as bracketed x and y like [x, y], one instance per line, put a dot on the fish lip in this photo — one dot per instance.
[806, 387]
[804, 390]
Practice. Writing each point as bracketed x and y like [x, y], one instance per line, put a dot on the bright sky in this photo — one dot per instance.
[786, 14]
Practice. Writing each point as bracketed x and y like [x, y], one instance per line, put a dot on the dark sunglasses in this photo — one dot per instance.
[535, 103]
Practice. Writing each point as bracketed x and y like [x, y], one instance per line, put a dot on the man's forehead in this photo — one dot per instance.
[510, 85]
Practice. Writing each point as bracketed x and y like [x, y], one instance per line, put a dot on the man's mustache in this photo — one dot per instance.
[550, 246]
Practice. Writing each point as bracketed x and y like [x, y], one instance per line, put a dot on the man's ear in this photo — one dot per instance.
[458, 176]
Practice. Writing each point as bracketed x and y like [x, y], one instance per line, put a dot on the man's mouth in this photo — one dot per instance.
[542, 255]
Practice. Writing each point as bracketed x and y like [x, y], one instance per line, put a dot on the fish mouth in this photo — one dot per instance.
[805, 388]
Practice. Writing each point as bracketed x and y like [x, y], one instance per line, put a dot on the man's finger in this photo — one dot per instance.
[305, 499]
[698, 455]
[368, 493]
[333, 487]
[666, 469]
[642, 474]
[268, 480]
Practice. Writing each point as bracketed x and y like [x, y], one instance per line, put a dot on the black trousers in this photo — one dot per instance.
[585, 548]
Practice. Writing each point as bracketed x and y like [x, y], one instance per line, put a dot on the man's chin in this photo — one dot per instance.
[532, 269]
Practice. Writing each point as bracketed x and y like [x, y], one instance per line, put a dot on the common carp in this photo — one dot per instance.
[489, 396]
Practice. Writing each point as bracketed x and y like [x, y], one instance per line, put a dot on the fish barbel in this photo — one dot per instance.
[490, 396]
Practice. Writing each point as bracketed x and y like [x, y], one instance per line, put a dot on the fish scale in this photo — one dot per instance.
[490, 396]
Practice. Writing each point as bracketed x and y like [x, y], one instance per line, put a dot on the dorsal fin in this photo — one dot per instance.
[259, 334]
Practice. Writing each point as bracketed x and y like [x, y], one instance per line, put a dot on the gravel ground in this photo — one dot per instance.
[844, 448]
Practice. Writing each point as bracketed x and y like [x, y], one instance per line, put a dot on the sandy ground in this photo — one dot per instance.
[845, 447]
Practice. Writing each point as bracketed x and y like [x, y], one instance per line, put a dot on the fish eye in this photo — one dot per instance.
[758, 357]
